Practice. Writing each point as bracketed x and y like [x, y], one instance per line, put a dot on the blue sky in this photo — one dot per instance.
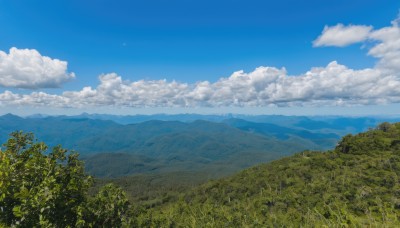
[189, 42]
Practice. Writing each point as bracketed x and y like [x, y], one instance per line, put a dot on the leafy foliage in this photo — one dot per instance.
[355, 185]
[40, 188]
[109, 208]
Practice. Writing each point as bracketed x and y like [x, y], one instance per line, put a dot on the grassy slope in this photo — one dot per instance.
[356, 184]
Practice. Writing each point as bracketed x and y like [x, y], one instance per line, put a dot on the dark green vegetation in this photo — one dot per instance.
[52, 190]
[356, 184]
[149, 190]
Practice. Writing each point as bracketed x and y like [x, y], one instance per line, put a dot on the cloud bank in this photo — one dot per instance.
[332, 85]
[27, 68]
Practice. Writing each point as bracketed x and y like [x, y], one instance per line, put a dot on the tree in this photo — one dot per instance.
[39, 188]
[109, 208]
[385, 126]
[43, 188]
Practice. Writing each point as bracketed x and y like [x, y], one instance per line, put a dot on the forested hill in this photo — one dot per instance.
[155, 146]
[150, 138]
[355, 184]
[158, 147]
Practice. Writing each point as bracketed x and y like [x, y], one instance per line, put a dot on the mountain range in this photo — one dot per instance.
[217, 145]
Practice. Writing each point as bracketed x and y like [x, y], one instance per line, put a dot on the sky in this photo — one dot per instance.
[185, 56]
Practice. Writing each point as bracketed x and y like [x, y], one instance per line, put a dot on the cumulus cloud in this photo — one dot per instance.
[386, 41]
[387, 49]
[27, 68]
[332, 85]
[340, 35]
[265, 86]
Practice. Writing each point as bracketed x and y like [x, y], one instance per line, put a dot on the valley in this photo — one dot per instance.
[215, 145]
[232, 172]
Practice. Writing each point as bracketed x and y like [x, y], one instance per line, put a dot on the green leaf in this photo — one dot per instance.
[17, 211]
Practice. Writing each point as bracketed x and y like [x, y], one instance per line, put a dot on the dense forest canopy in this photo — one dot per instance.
[356, 184]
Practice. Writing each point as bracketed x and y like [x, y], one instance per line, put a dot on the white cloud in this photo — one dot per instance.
[385, 42]
[387, 49]
[332, 85]
[113, 91]
[27, 68]
[340, 35]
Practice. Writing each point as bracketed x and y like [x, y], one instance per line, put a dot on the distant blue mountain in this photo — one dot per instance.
[321, 140]
[306, 122]
[184, 142]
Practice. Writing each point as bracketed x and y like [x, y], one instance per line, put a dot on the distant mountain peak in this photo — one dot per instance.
[10, 116]
[37, 116]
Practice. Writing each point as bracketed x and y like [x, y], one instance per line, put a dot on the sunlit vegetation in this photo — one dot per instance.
[50, 189]
[354, 185]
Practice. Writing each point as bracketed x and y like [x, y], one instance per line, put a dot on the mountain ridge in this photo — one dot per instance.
[177, 145]
[354, 185]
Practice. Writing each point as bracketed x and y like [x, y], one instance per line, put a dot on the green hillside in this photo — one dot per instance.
[173, 138]
[355, 185]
